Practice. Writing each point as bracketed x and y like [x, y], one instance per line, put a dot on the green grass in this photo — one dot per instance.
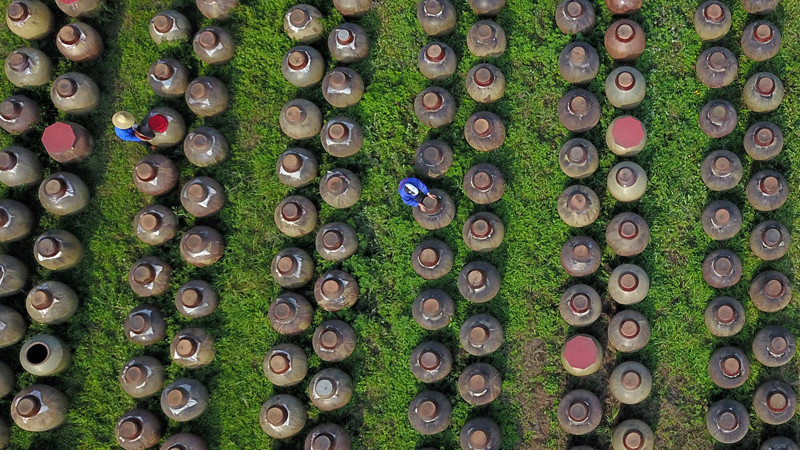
[528, 260]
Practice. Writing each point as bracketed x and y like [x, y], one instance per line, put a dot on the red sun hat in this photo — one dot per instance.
[158, 123]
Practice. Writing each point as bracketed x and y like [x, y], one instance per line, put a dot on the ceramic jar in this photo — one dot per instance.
[192, 348]
[145, 325]
[168, 78]
[19, 167]
[202, 246]
[169, 26]
[202, 196]
[155, 225]
[303, 23]
[58, 250]
[196, 299]
[28, 67]
[142, 376]
[39, 408]
[184, 399]
[214, 45]
[150, 276]
[51, 302]
[18, 114]
[155, 174]
[79, 42]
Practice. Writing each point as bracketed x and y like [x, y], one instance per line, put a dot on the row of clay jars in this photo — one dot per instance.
[769, 291]
[430, 412]
[39, 408]
[139, 428]
[16, 220]
[479, 383]
[19, 167]
[207, 96]
[45, 355]
[19, 114]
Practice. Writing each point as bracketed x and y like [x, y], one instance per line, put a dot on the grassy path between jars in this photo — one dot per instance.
[532, 279]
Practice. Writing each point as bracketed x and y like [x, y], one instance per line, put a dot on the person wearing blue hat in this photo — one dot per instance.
[413, 191]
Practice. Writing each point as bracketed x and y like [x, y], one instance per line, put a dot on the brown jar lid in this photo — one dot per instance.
[196, 243]
[298, 60]
[482, 127]
[726, 314]
[432, 155]
[191, 297]
[4, 217]
[629, 328]
[476, 278]
[574, 9]
[200, 142]
[298, 17]
[721, 217]
[429, 257]
[338, 79]
[765, 85]
[338, 132]
[286, 264]
[145, 171]
[778, 345]
[8, 160]
[323, 441]
[578, 411]
[631, 380]
[291, 162]
[144, 274]
[482, 180]
[432, 205]
[284, 311]
[777, 402]
[69, 34]
[480, 228]
[325, 387]
[577, 154]
[769, 185]
[633, 440]
[28, 406]
[131, 428]
[332, 288]
[773, 288]
[477, 382]
[717, 60]
[42, 299]
[580, 303]
[432, 101]
[484, 32]
[478, 335]
[150, 221]
[291, 212]
[626, 177]
[581, 252]
[19, 61]
[277, 415]
[428, 410]
[483, 77]
[628, 229]
[344, 36]
[433, 7]
[48, 247]
[714, 12]
[731, 366]
[762, 33]
[198, 91]
[723, 266]
[163, 71]
[139, 322]
[435, 53]
[66, 87]
[577, 201]
[431, 307]
[728, 421]
[279, 363]
[718, 114]
[10, 109]
[430, 360]
[577, 54]
[163, 23]
[55, 187]
[329, 339]
[208, 39]
[479, 438]
[336, 184]
[135, 375]
[295, 115]
[771, 237]
[177, 397]
[186, 346]
[17, 11]
[723, 165]
[625, 81]
[332, 239]
[579, 106]
[764, 137]
[624, 32]
[197, 191]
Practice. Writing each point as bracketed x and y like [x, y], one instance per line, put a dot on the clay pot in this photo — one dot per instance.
[335, 290]
[479, 281]
[767, 190]
[433, 309]
[327, 436]
[142, 376]
[727, 421]
[176, 127]
[80, 8]
[436, 17]
[761, 40]
[579, 110]
[628, 331]
[16, 220]
[300, 119]
[480, 335]
[728, 367]
[717, 67]
[341, 137]
[487, 7]
[29, 19]
[575, 16]
[774, 346]
[722, 269]
[578, 158]
[214, 45]
[282, 416]
[580, 256]
[67, 142]
[285, 365]
[15, 325]
[150, 276]
[724, 316]
[352, 8]
[580, 305]
[19, 167]
[57, 250]
[216, 9]
[28, 67]
[202, 196]
[437, 61]
[579, 412]
[169, 26]
[433, 158]
[770, 291]
[628, 284]
[7, 382]
[778, 443]
[63, 194]
[630, 382]
[712, 20]
[486, 39]
[39, 408]
[340, 188]
[18, 114]
[435, 107]
[763, 92]
[79, 42]
[624, 40]
[626, 136]
[483, 232]
[196, 299]
[721, 220]
[432, 259]
[480, 433]
[187, 441]
[13, 276]
[581, 355]
[202, 246]
[431, 361]
[205, 146]
[51, 303]
[155, 174]
[334, 340]
[578, 62]
[721, 170]
[303, 66]
[296, 167]
[625, 87]
[775, 402]
[45, 355]
[292, 268]
[330, 389]
[632, 434]
[208, 97]
[627, 234]
[155, 224]
[485, 83]
[192, 348]
[168, 77]
[303, 23]
[770, 240]
[74, 93]
[430, 413]
[484, 131]
[295, 216]
[623, 7]
[627, 181]
[763, 141]
[578, 206]
[184, 399]
[759, 6]
[342, 87]
[336, 241]
[484, 183]
[145, 325]
[439, 211]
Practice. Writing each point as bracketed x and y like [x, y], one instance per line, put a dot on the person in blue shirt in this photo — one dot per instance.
[125, 126]
[413, 191]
